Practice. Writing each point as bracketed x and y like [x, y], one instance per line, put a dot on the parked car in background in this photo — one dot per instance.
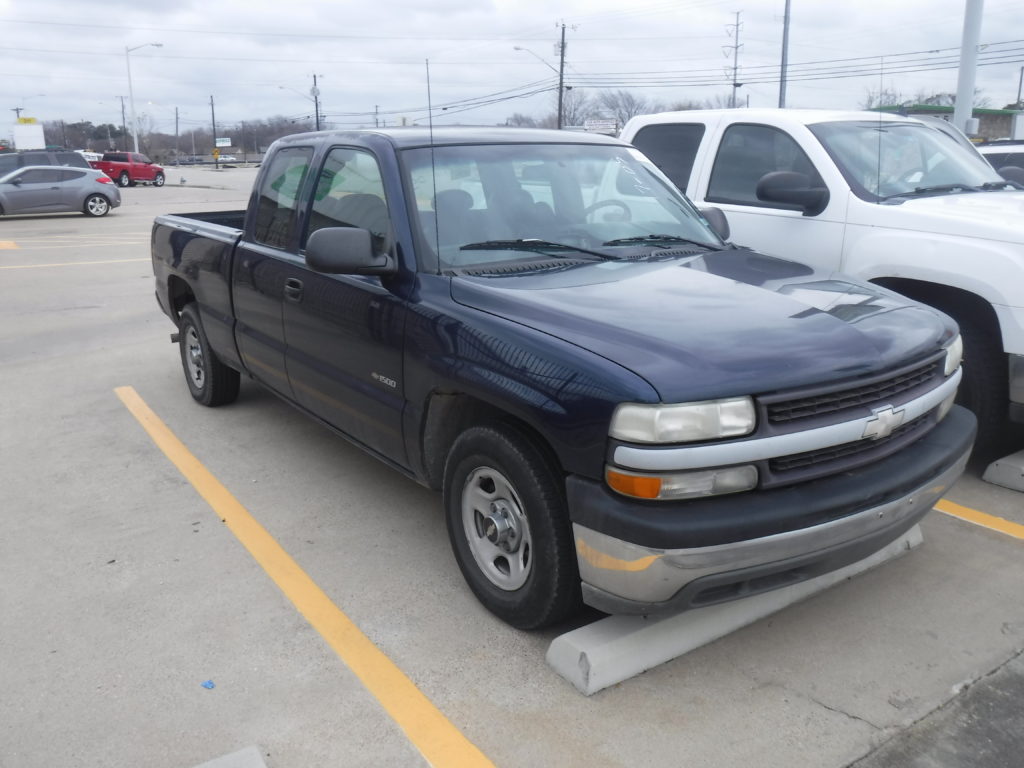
[1005, 154]
[229, 159]
[130, 168]
[49, 189]
[885, 198]
[9, 161]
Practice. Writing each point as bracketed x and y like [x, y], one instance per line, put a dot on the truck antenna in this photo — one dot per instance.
[433, 170]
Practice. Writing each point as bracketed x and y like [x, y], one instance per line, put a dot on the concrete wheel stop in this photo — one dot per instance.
[617, 648]
[1007, 472]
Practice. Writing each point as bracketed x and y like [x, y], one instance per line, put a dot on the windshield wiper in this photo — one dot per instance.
[660, 240]
[988, 186]
[936, 190]
[532, 244]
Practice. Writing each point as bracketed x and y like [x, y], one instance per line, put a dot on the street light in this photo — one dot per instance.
[538, 58]
[131, 96]
[560, 72]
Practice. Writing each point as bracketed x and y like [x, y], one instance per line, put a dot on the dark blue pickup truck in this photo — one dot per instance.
[618, 406]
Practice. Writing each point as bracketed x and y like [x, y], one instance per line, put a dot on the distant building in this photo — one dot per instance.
[993, 123]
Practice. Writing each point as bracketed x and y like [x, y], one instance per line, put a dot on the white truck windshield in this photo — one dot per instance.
[888, 159]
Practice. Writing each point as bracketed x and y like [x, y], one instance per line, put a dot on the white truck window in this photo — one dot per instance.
[746, 154]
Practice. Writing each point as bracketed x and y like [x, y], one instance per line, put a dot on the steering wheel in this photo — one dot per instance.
[609, 203]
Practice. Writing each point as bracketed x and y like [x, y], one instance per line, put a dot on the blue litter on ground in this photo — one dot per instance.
[208, 685]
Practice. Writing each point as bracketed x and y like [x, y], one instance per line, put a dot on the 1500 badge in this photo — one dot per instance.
[384, 380]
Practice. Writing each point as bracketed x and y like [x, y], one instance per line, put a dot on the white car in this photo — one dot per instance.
[1003, 154]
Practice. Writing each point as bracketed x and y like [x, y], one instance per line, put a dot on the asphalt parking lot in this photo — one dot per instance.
[300, 598]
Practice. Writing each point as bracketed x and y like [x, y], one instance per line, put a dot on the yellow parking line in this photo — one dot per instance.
[439, 741]
[71, 264]
[8, 245]
[980, 518]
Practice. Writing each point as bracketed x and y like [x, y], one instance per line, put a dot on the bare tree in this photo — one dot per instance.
[622, 105]
[883, 97]
[521, 121]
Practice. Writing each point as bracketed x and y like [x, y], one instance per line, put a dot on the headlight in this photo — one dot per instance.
[684, 422]
[682, 485]
[954, 355]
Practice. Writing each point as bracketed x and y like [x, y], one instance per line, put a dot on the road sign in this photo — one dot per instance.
[222, 142]
[216, 153]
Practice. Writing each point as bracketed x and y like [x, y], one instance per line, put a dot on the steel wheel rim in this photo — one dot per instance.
[159, 181]
[97, 206]
[194, 358]
[496, 529]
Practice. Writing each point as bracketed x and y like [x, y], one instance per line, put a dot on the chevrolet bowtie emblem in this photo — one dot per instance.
[885, 421]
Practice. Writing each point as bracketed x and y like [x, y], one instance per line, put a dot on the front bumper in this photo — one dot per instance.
[642, 558]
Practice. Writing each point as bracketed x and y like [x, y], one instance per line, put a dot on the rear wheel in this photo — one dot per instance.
[209, 381]
[158, 180]
[509, 528]
[123, 180]
[96, 205]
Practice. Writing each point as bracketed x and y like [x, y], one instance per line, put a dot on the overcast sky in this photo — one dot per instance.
[65, 59]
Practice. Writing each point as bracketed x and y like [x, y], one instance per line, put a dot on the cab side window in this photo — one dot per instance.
[672, 147]
[277, 203]
[350, 193]
[747, 153]
[40, 176]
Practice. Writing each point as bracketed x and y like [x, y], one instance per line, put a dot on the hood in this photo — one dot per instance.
[725, 323]
[996, 215]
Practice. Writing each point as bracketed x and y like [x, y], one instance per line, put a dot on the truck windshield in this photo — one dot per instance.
[886, 159]
[479, 204]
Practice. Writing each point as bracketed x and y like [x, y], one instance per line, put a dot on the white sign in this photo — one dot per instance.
[222, 142]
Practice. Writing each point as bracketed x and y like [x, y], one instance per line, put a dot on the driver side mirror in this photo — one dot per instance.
[717, 221]
[791, 188]
[346, 251]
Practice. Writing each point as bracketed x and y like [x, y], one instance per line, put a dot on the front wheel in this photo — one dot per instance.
[509, 528]
[984, 388]
[123, 180]
[210, 382]
[158, 180]
[96, 205]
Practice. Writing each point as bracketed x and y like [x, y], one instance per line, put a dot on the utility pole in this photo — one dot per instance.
[376, 111]
[316, 102]
[17, 112]
[177, 157]
[1020, 85]
[964, 106]
[561, 75]
[124, 129]
[735, 58]
[213, 122]
[785, 57]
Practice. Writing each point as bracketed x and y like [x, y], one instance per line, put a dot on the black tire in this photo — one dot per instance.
[123, 180]
[96, 205]
[984, 388]
[158, 180]
[509, 529]
[209, 381]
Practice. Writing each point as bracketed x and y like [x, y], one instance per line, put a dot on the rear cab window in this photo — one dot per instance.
[672, 147]
[277, 203]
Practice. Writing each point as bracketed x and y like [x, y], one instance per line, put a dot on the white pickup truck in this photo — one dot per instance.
[883, 197]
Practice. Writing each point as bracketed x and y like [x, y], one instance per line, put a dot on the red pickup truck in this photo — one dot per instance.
[130, 168]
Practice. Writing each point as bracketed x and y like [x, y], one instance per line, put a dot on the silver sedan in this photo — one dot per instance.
[52, 188]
